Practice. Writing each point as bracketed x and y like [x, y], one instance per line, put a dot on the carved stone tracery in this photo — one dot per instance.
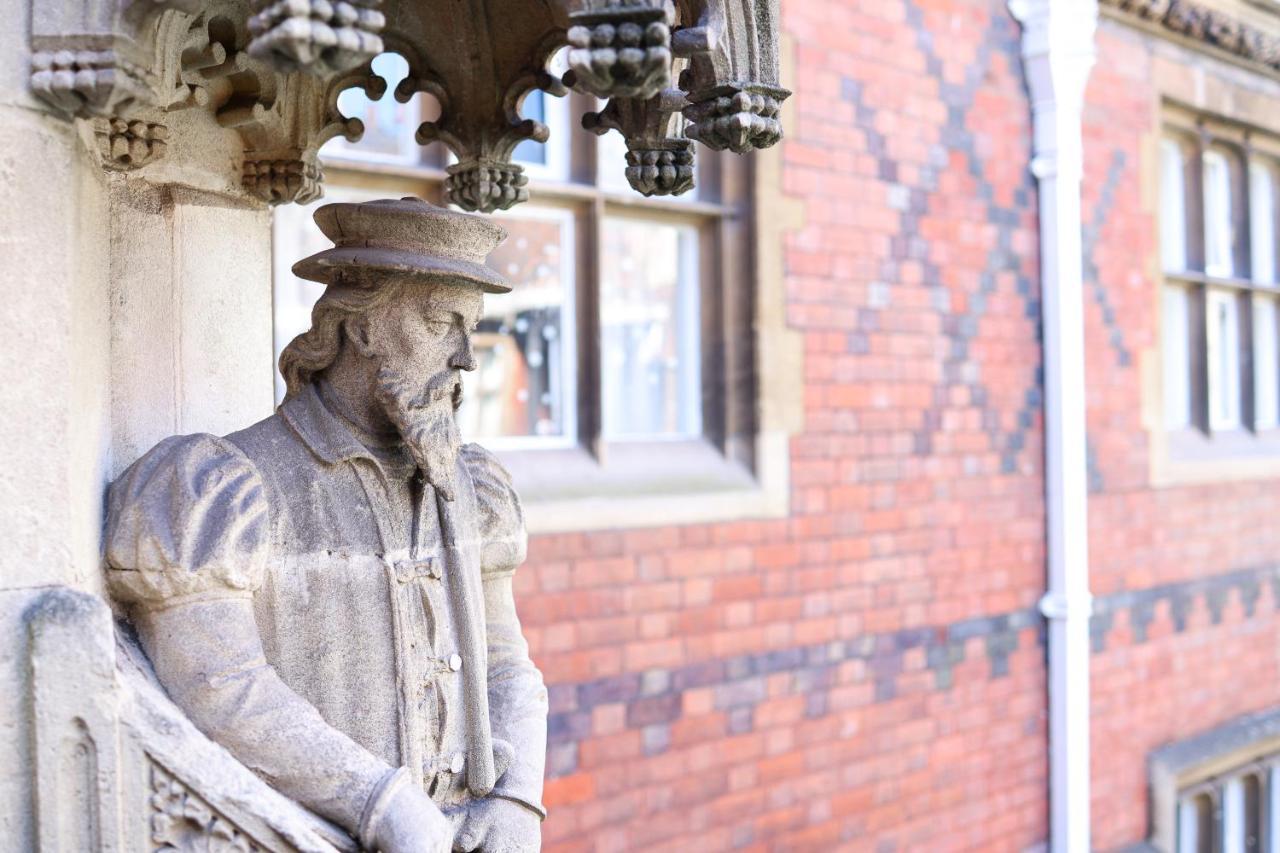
[271, 70]
[182, 821]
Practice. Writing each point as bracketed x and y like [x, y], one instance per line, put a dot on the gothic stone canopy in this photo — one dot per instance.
[672, 74]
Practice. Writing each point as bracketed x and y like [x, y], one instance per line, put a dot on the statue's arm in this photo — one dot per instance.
[517, 696]
[187, 545]
[208, 655]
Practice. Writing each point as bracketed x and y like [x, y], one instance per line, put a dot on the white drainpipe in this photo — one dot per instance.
[1057, 54]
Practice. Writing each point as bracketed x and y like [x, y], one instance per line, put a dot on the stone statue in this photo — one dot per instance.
[328, 593]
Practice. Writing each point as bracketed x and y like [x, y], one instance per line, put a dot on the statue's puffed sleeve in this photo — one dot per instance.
[187, 544]
[517, 697]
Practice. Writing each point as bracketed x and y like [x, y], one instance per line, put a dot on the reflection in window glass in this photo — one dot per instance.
[389, 126]
[649, 329]
[1173, 213]
[1224, 360]
[1266, 361]
[524, 348]
[1262, 223]
[1177, 359]
[1219, 230]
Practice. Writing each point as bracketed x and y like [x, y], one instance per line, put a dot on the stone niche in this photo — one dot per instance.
[158, 134]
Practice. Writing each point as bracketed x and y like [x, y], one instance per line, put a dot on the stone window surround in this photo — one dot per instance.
[1177, 767]
[740, 467]
[1194, 84]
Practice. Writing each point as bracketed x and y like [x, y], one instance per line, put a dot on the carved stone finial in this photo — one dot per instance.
[128, 144]
[663, 169]
[317, 35]
[737, 117]
[486, 185]
[659, 158]
[620, 51]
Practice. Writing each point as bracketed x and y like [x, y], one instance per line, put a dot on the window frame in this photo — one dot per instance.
[1199, 136]
[1205, 765]
[720, 466]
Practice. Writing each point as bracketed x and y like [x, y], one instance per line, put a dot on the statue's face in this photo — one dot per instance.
[424, 334]
[422, 341]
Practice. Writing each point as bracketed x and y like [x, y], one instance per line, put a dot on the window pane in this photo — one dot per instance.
[524, 383]
[1273, 810]
[389, 126]
[1224, 360]
[1252, 812]
[1177, 361]
[1219, 229]
[649, 329]
[530, 152]
[1266, 361]
[1233, 829]
[1262, 223]
[1195, 824]
[1173, 212]
[550, 159]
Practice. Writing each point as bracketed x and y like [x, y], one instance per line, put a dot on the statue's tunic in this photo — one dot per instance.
[383, 606]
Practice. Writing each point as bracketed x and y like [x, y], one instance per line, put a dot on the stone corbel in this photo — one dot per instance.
[732, 78]
[659, 157]
[281, 117]
[93, 59]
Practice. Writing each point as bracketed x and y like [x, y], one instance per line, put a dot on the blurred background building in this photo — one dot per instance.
[782, 446]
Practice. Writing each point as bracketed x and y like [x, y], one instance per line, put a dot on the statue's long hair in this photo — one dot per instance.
[317, 347]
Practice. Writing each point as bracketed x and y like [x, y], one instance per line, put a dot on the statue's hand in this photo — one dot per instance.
[413, 824]
[497, 825]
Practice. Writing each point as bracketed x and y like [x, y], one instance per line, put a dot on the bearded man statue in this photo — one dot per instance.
[328, 593]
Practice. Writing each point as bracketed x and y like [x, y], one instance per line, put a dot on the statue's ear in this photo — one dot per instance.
[357, 332]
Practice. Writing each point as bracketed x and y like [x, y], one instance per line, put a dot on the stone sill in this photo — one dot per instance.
[1190, 457]
[646, 484]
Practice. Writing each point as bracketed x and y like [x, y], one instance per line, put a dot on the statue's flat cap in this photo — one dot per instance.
[406, 237]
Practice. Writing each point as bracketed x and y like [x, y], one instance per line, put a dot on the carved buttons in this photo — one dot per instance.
[455, 662]
[456, 764]
[410, 570]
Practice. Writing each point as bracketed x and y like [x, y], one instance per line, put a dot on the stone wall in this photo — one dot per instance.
[122, 325]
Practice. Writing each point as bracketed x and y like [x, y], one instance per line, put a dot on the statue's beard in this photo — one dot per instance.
[424, 417]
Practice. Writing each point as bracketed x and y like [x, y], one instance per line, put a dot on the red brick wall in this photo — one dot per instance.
[869, 672]
[1188, 632]
[866, 674]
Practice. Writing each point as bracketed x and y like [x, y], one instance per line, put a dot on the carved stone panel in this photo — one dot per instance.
[182, 821]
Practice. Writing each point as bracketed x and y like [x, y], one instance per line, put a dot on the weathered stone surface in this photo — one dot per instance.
[327, 593]
[271, 71]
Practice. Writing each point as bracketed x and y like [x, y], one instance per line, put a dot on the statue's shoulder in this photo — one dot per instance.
[188, 517]
[501, 519]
